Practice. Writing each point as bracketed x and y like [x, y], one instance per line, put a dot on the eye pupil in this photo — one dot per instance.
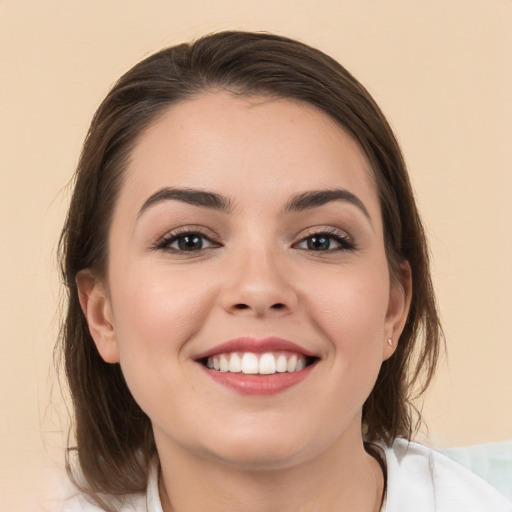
[190, 243]
[319, 243]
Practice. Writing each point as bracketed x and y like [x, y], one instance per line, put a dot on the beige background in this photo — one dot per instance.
[442, 72]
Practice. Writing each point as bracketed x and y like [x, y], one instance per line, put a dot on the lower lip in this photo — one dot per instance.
[259, 384]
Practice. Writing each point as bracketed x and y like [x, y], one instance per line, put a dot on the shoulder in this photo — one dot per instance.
[63, 496]
[428, 481]
[76, 501]
[81, 503]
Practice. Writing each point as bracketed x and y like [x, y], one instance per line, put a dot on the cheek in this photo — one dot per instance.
[156, 312]
[351, 303]
[350, 310]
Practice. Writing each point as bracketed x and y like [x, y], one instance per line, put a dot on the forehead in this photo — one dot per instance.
[219, 141]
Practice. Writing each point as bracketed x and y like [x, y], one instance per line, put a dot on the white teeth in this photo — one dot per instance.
[224, 363]
[252, 364]
[267, 364]
[291, 365]
[235, 364]
[281, 363]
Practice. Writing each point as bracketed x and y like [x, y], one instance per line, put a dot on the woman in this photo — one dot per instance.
[250, 303]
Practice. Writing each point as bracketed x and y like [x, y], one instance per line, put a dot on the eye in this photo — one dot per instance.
[326, 241]
[186, 241]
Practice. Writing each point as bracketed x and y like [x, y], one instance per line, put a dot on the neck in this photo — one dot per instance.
[342, 478]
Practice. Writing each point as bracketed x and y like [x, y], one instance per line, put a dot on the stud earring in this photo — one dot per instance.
[390, 342]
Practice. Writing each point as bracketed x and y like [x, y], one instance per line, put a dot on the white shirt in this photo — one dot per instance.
[423, 480]
[418, 480]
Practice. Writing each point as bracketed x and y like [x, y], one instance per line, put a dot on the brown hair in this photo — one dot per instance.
[114, 439]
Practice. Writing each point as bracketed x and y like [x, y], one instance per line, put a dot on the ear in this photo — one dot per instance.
[97, 310]
[400, 296]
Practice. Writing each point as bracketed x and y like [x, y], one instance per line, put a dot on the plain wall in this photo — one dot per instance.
[442, 73]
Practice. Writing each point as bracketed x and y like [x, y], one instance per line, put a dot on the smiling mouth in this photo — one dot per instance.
[251, 363]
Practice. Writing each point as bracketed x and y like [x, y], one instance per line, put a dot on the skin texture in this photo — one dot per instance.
[160, 307]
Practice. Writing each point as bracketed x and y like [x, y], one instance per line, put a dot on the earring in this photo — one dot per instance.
[390, 342]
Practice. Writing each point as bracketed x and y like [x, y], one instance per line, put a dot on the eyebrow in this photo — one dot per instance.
[188, 195]
[316, 198]
[297, 203]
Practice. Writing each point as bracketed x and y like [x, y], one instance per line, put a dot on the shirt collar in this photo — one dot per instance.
[153, 503]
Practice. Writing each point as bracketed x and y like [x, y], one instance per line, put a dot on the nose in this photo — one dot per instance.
[259, 284]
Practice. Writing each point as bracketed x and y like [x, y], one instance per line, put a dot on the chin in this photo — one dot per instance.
[257, 460]
[262, 453]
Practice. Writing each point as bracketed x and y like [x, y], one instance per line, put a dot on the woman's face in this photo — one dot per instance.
[247, 237]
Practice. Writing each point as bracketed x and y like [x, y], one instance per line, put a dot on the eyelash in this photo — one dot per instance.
[342, 239]
[165, 242]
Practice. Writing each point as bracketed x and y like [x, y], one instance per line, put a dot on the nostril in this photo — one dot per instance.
[277, 305]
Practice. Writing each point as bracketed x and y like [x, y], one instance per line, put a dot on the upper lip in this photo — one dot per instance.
[257, 346]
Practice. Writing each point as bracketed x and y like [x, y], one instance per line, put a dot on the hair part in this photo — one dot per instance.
[114, 439]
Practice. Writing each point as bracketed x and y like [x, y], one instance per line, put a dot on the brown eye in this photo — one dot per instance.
[325, 242]
[318, 243]
[189, 242]
[186, 242]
